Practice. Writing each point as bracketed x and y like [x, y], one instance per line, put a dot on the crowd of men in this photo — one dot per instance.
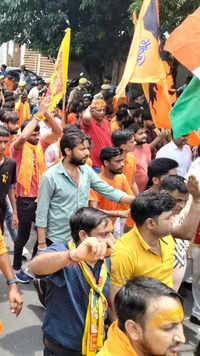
[115, 202]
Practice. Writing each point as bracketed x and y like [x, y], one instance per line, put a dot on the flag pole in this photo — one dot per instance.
[64, 111]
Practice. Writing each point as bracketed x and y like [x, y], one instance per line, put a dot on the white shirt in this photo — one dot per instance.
[182, 156]
[33, 96]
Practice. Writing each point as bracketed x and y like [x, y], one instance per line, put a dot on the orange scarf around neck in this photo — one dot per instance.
[117, 343]
[31, 154]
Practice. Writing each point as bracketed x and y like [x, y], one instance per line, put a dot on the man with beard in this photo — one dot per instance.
[28, 152]
[113, 162]
[65, 188]
[142, 153]
[150, 320]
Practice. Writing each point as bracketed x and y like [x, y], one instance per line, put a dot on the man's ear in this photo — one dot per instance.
[123, 147]
[156, 181]
[150, 224]
[133, 331]
[106, 163]
[67, 151]
[82, 235]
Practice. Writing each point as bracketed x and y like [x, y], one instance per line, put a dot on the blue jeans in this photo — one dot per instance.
[8, 220]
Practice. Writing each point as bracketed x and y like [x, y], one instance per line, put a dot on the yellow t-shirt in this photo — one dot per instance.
[3, 248]
[133, 257]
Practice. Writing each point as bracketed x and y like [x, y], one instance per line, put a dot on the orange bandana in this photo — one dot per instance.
[31, 153]
[99, 103]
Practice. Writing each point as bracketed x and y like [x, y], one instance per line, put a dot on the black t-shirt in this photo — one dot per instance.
[7, 176]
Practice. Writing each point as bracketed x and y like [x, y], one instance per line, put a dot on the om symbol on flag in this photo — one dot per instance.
[143, 48]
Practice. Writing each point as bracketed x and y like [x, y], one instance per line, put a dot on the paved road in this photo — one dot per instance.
[22, 336]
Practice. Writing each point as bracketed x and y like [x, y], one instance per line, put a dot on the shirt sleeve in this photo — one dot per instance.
[3, 248]
[122, 268]
[56, 278]
[103, 188]
[46, 190]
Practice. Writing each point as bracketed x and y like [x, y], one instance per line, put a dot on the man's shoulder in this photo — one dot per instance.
[10, 162]
[126, 243]
[130, 159]
[53, 171]
[168, 241]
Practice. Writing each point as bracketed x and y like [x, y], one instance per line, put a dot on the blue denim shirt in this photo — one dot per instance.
[67, 301]
[59, 198]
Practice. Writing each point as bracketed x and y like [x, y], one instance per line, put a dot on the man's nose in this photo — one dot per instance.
[180, 337]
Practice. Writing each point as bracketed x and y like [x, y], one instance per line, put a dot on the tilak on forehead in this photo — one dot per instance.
[99, 103]
[168, 316]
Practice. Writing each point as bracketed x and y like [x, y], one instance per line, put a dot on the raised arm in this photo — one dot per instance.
[187, 230]
[90, 249]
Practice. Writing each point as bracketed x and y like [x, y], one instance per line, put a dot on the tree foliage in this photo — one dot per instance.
[101, 29]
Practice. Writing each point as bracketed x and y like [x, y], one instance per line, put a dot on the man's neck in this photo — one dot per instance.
[108, 174]
[71, 168]
[99, 122]
[139, 349]
[155, 187]
[149, 238]
[140, 146]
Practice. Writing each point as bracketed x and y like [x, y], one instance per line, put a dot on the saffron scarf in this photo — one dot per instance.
[31, 154]
[117, 343]
[94, 323]
[23, 110]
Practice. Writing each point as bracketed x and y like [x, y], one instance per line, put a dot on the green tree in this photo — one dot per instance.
[101, 29]
[172, 12]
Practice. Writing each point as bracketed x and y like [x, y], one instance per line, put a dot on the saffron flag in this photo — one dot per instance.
[160, 97]
[184, 115]
[58, 82]
[184, 43]
[144, 64]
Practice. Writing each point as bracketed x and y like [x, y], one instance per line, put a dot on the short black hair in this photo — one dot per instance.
[174, 182]
[4, 132]
[71, 138]
[134, 106]
[135, 126]
[150, 205]
[86, 219]
[108, 152]
[132, 300]
[11, 116]
[158, 167]
[137, 113]
[121, 113]
[26, 122]
[120, 137]
[108, 76]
